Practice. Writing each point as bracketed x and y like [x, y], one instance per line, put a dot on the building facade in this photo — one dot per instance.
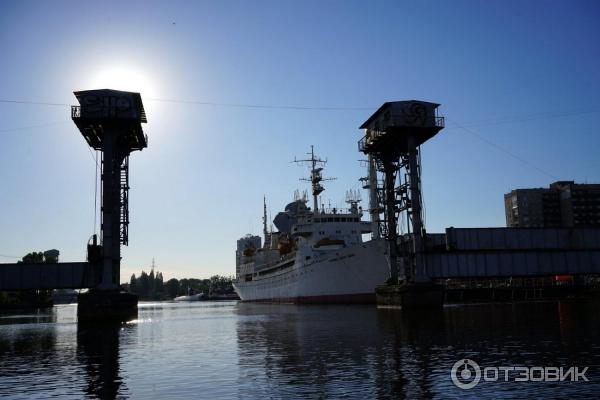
[563, 204]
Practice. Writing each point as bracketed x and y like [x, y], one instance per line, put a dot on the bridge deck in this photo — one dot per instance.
[74, 275]
[515, 263]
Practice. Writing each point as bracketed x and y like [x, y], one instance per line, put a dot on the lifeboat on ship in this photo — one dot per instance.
[285, 245]
[249, 251]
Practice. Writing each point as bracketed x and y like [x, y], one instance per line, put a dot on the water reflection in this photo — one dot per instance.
[334, 352]
[31, 345]
[250, 351]
[39, 315]
[98, 353]
[408, 356]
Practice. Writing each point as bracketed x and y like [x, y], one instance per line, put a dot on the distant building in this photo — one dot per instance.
[562, 204]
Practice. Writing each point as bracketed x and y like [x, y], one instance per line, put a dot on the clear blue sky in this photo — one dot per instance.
[199, 185]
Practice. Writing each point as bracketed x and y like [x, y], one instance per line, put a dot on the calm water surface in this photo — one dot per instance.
[228, 350]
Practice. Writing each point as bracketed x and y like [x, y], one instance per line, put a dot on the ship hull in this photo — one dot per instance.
[347, 275]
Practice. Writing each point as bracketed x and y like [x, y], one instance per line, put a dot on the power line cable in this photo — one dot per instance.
[524, 118]
[496, 121]
[504, 150]
[37, 103]
[211, 103]
[34, 126]
[262, 106]
[95, 160]
[44, 125]
[6, 256]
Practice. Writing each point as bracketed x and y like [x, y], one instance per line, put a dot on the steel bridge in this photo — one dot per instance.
[510, 252]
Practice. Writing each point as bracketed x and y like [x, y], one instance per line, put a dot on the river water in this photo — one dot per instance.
[217, 350]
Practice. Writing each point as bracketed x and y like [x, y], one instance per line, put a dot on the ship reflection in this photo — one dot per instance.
[98, 352]
[365, 352]
[335, 351]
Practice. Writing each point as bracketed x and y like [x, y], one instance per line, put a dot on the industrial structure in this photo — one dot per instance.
[563, 204]
[560, 236]
[393, 136]
[110, 122]
[564, 237]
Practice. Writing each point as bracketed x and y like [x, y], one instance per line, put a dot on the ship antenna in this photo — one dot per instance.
[316, 166]
[265, 232]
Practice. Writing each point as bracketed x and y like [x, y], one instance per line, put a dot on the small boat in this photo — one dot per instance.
[191, 297]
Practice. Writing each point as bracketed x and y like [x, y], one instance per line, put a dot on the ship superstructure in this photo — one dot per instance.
[316, 255]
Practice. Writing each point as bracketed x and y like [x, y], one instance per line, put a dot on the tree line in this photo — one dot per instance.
[151, 286]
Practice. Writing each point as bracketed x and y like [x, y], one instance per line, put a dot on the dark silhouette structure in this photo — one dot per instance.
[110, 121]
[393, 136]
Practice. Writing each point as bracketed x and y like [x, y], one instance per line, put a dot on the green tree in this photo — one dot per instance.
[133, 284]
[172, 288]
[144, 285]
[33, 258]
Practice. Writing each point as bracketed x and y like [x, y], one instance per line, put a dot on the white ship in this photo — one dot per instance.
[316, 256]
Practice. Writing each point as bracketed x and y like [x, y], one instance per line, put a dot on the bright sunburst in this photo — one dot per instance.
[125, 78]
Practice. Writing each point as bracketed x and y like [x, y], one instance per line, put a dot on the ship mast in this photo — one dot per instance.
[265, 231]
[316, 178]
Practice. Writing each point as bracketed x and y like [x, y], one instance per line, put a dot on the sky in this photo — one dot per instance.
[518, 83]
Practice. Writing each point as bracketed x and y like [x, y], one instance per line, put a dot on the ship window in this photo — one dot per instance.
[317, 219]
[336, 220]
[329, 219]
[308, 257]
[343, 219]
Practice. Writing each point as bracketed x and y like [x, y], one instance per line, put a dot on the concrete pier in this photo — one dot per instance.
[410, 295]
[106, 305]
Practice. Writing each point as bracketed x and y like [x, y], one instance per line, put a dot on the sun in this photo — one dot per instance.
[125, 78]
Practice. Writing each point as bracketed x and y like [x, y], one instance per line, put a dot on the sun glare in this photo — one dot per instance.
[130, 79]
[124, 78]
